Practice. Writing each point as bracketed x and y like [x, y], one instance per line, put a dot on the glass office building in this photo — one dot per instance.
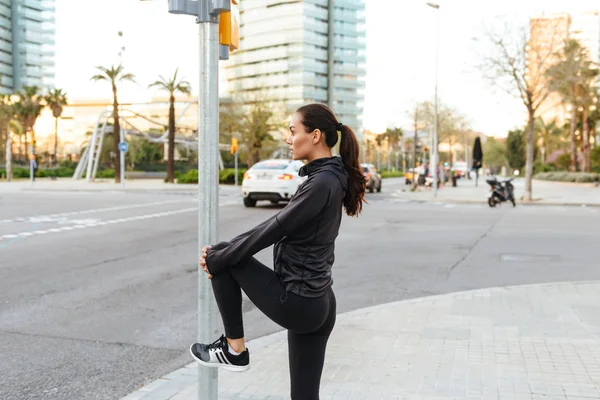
[298, 52]
[27, 39]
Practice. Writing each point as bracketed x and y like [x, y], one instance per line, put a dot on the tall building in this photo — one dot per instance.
[298, 52]
[27, 39]
[550, 32]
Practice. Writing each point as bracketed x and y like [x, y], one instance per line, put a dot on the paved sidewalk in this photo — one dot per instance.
[528, 342]
[544, 192]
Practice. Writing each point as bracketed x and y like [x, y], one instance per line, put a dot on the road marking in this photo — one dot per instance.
[97, 223]
[52, 217]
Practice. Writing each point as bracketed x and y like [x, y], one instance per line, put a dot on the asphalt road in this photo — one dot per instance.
[99, 296]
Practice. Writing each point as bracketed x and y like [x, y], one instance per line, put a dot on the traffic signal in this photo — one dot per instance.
[229, 27]
[234, 145]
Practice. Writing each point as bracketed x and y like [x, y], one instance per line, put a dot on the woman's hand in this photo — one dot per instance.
[203, 260]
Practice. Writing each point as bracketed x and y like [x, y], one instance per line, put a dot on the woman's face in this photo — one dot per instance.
[301, 143]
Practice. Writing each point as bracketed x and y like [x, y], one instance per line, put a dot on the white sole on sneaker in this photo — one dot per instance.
[232, 368]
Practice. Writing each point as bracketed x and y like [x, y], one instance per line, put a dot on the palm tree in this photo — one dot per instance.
[549, 137]
[115, 75]
[565, 78]
[172, 86]
[56, 100]
[28, 107]
[8, 123]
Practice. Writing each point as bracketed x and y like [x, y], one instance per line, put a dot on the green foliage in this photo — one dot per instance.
[495, 154]
[538, 167]
[60, 172]
[565, 176]
[515, 149]
[106, 173]
[563, 161]
[226, 176]
[595, 157]
[392, 174]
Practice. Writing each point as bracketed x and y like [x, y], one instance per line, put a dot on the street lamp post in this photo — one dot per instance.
[434, 150]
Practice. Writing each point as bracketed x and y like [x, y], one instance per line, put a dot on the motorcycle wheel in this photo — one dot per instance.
[492, 202]
[513, 202]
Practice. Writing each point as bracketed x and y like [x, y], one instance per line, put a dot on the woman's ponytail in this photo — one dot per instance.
[320, 116]
[349, 149]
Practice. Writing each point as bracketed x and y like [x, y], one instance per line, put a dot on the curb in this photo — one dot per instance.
[182, 379]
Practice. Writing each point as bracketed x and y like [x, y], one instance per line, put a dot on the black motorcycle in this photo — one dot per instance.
[500, 192]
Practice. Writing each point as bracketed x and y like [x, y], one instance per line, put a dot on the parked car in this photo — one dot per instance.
[372, 177]
[273, 180]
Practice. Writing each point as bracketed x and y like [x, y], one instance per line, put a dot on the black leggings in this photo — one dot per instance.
[309, 321]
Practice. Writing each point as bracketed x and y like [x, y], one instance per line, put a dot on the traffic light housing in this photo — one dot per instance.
[234, 145]
[229, 27]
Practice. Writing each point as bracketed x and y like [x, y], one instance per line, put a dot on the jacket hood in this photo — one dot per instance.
[332, 164]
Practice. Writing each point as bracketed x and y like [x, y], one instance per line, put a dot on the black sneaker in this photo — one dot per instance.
[217, 355]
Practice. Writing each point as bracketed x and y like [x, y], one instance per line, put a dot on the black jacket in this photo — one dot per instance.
[304, 232]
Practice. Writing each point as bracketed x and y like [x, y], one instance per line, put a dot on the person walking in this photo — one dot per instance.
[298, 293]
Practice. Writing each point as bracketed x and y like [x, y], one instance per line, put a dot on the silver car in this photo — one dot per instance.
[372, 177]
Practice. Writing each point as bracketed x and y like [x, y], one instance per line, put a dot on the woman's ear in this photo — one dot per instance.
[316, 136]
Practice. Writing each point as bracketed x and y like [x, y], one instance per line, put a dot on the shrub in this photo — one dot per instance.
[189, 177]
[226, 176]
[106, 173]
[564, 176]
[392, 174]
[563, 161]
[538, 167]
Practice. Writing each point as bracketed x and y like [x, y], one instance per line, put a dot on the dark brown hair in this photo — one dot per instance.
[319, 116]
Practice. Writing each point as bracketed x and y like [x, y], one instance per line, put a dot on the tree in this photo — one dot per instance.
[515, 150]
[172, 86]
[28, 107]
[495, 154]
[257, 129]
[568, 78]
[589, 97]
[517, 65]
[56, 100]
[549, 137]
[114, 75]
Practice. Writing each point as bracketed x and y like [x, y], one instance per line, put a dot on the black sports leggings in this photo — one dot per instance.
[309, 321]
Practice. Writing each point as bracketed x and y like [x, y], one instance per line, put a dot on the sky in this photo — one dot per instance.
[401, 50]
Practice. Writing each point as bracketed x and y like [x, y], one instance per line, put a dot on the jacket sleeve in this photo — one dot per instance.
[306, 204]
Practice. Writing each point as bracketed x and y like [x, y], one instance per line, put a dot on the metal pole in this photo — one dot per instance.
[235, 158]
[31, 164]
[8, 157]
[330, 53]
[434, 155]
[378, 159]
[208, 196]
[122, 155]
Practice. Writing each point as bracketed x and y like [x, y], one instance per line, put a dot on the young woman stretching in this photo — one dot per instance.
[297, 295]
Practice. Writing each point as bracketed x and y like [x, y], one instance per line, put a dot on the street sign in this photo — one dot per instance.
[123, 146]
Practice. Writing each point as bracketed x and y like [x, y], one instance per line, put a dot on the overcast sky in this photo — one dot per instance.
[400, 53]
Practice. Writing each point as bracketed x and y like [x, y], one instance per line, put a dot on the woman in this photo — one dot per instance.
[297, 295]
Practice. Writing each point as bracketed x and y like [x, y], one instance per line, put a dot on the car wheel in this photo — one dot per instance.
[379, 187]
[248, 202]
[371, 189]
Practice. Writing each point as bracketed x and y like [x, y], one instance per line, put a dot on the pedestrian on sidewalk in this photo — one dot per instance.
[297, 295]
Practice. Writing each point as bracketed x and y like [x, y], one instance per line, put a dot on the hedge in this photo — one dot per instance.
[392, 174]
[226, 176]
[564, 176]
[60, 172]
